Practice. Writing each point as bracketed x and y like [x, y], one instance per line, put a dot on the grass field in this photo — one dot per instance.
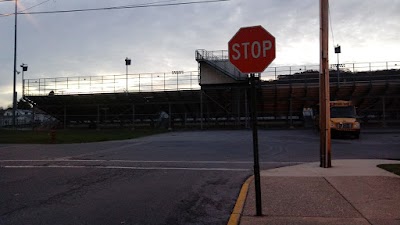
[71, 136]
[393, 168]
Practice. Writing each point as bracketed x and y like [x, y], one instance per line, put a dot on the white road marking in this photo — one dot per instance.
[55, 161]
[145, 161]
[127, 167]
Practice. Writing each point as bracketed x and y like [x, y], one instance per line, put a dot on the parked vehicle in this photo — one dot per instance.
[343, 119]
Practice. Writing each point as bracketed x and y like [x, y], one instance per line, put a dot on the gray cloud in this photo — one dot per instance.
[165, 38]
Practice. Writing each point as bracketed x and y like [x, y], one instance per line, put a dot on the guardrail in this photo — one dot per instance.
[144, 82]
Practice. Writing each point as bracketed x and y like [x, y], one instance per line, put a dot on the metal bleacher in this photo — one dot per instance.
[105, 100]
[118, 109]
[216, 95]
[375, 96]
[284, 92]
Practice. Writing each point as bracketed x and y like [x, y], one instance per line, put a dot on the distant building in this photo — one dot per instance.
[23, 117]
[26, 117]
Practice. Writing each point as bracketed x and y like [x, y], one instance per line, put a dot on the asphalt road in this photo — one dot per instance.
[172, 178]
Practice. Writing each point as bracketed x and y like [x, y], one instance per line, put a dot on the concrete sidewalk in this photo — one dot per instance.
[351, 192]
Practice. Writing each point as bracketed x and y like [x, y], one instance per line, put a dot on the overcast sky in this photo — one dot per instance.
[162, 39]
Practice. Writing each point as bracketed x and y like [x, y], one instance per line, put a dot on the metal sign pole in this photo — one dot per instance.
[248, 60]
[255, 145]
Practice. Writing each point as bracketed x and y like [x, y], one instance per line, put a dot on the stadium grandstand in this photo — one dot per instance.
[215, 96]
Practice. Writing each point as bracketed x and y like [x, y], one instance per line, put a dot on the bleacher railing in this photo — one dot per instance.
[273, 72]
[144, 82]
[174, 80]
[220, 61]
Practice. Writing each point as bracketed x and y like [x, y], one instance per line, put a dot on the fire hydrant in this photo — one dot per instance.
[53, 136]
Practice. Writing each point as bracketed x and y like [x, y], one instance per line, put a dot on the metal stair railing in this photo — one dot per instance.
[220, 61]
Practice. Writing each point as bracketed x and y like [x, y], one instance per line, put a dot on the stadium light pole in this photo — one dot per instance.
[15, 67]
[337, 51]
[127, 63]
[24, 69]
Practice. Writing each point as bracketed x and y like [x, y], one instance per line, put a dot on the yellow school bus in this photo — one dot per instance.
[344, 119]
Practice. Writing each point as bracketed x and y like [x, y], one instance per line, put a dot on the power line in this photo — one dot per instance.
[9, 14]
[20, 12]
[126, 7]
[330, 24]
[119, 7]
[148, 4]
[33, 6]
[151, 3]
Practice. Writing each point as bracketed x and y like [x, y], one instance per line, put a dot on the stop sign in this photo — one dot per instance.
[251, 49]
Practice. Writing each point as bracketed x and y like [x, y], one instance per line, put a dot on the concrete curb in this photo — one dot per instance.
[340, 167]
[234, 219]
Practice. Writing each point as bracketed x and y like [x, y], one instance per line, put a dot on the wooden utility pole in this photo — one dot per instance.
[324, 98]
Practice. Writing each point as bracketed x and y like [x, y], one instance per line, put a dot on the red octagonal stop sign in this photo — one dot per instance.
[251, 49]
